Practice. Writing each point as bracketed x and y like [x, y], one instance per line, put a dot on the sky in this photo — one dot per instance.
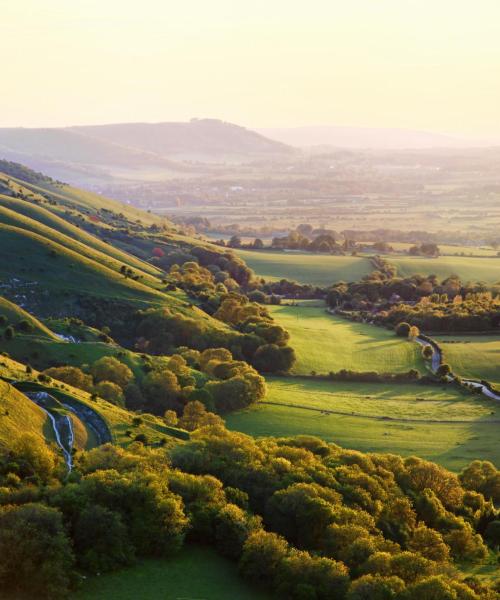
[419, 64]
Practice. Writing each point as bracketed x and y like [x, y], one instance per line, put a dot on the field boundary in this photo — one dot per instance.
[378, 418]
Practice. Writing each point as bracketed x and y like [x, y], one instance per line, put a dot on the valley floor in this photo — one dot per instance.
[194, 573]
[438, 423]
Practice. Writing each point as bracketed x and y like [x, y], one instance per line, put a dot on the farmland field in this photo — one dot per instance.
[468, 269]
[446, 425]
[193, 573]
[305, 267]
[324, 343]
[473, 356]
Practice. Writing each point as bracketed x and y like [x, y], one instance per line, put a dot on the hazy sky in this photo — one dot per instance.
[427, 64]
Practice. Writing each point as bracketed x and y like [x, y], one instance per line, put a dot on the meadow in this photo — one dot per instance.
[439, 423]
[305, 267]
[194, 573]
[472, 356]
[467, 268]
[325, 343]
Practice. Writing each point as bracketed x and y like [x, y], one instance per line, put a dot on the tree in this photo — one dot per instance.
[414, 332]
[427, 352]
[162, 391]
[492, 534]
[9, 333]
[403, 329]
[258, 244]
[232, 527]
[33, 457]
[271, 358]
[429, 543]
[443, 370]
[170, 418]
[108, 368]
[262, 555]
[72, 376]
[111, 392]
[432, 588]
[101, 540]
[195, 416]
[375, 587]
[482, 476]
[36, 553]
[235, 242]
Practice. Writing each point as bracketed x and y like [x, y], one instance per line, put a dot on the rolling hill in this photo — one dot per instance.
[134, 151]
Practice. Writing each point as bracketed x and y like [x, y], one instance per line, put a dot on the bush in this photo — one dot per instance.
[403, 329]
[36, 553]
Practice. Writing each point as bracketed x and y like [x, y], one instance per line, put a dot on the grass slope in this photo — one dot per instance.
[326, 343]
[472, 356]
[468, 269]
[19, 415]
[194, 573]
[14, 219]
[75, 198]
[33, 257]
[441, 424]
[46, 217]
[304, 267]
[15, 314]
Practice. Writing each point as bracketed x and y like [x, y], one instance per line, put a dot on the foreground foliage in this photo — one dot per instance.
[304, 519]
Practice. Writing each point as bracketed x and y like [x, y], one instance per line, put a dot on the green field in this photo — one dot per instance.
[468, 269]
[304, 267]
[195, 573]
[443, 424]
[472, 356]
[325, 343]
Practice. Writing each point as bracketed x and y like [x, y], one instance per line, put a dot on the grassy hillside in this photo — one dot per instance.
[18, 414]
[63, 196]
[15, 314]
[317, 269]
[216, 579]
[58, 224]
[468, 269]
[14, 219]
[442, 424]
[472, 356]
[30, 257]
[325, 343]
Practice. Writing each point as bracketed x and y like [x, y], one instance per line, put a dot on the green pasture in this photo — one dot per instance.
[325, 343]
[439, 423]
[195, 573]
[304, 267]
[472, 356]
[467, 268]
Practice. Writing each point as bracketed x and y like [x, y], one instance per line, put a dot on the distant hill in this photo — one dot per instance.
[203, 139]
[133, 151]
[367, 137]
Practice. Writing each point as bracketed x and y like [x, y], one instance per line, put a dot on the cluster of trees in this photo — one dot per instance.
[211, 377]
[423, 301]
[251, 334]
[303, 518]
[428, 249]
[375, 377]
[159, 331]
[475, 312]
[226, 262]
[107, 377]
[297, 240]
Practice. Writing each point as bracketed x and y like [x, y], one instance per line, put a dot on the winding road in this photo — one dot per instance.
[437, 359]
